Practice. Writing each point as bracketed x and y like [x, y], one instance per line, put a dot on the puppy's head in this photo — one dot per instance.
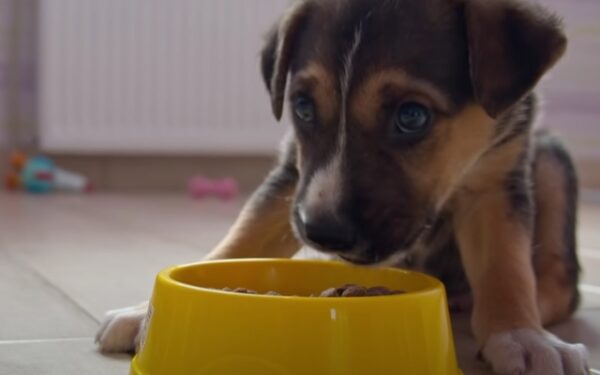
[393, 101]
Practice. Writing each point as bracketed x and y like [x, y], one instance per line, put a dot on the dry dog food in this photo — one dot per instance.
[352, 290]
[348, 290]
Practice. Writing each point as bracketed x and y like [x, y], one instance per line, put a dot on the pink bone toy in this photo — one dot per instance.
[201, 187]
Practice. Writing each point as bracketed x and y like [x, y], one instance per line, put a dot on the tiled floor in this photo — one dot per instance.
[64, 260]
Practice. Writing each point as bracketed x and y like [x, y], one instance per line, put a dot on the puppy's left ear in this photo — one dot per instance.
[277, 53]
[511, 44]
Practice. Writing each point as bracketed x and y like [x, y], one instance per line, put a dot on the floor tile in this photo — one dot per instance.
[103, 251]
[584, 328]
[107, 274]
[200, 223]
[64, 357]
[33, 308]
[104, 271]
[100, 263]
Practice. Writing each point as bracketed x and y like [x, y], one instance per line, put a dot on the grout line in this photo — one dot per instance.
[115, 220]
[65, 295]
[55, 287]
[42, 341]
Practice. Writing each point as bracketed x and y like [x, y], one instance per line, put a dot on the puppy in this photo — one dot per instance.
[414, 145]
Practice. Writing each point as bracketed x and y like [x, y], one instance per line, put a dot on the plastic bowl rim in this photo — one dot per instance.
[165, 277]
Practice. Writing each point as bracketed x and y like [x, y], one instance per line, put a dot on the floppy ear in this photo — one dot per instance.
[511, 45]
[277, 53]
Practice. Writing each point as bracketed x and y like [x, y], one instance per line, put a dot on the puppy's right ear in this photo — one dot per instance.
[512, 43]
[277, 53]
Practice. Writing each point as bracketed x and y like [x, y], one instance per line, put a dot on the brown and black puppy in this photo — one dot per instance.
[413, 145]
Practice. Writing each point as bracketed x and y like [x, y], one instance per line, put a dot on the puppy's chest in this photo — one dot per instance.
[437, 254]
[430, 243]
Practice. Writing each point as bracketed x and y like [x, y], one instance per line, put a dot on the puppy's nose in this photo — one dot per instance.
[329, 232]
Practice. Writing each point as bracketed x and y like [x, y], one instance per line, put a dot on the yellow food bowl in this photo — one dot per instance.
[197, 330]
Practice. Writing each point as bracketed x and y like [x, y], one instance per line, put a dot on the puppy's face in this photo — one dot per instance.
[386, 117]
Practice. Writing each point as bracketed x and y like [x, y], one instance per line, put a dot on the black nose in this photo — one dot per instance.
[329, 232]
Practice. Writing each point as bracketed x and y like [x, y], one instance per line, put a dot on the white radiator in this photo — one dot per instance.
[146, 76]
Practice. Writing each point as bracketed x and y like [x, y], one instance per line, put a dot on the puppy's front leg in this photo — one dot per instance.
[263, 227]
[261, 230]
[495, 244]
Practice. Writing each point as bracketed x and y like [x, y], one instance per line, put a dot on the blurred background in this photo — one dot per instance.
[140, 95]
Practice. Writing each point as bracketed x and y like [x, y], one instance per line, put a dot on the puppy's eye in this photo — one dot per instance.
[412, 119]
[304, 109]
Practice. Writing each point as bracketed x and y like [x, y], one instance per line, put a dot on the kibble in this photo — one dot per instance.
[348, 290]
[354, 291]
[331, 292]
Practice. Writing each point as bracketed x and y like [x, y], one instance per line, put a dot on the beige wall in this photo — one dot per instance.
[572, 95]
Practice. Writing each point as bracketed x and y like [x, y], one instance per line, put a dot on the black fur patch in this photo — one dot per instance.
[512, 44]
[444, 260]
[267, 61]
[548, 145]
[518, 186]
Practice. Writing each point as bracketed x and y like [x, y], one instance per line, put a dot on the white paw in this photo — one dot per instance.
[120, 329]
[530, 352]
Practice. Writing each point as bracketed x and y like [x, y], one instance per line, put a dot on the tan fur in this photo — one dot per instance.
[321, 85]
[449, 153]
[366, 103]
[262, 231]
[495, 250]
[491, 172]
[495, 247]
[555, 293]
